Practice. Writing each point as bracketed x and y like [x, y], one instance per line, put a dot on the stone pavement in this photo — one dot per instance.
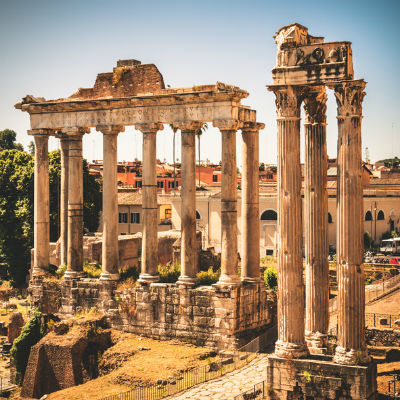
[229, 385]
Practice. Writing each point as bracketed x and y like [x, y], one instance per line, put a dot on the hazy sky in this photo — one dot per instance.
[51, 48]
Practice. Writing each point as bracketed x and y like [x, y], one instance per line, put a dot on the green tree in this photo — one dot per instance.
[199, 132]
[271, 277]
[7, 140]
[31, 148]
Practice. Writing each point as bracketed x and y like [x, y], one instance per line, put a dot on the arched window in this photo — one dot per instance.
[330, 221]
[381, 216]
[269, 215]
[368, 216]
[198, 216]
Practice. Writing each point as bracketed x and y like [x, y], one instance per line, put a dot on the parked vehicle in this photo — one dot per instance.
[395, 260]
[390, 246]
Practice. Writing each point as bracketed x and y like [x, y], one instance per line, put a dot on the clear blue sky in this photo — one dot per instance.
[51, 48]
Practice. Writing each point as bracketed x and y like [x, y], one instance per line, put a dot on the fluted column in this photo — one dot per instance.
[351, 348]
[291, 341]
[41, 203]
[110, 251]
[149, 266]
[229, 248]
[250, 255]
[316, 221]
[189, 254]
[64, 142]
[75, 203]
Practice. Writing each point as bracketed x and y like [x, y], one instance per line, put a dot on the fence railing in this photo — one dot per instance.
[372, 320]
[257, 392]
[188, 379]
[394, 388]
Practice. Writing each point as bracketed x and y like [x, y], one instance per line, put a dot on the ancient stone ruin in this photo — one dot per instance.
[225, 315]
[237, 307]
[305, 66]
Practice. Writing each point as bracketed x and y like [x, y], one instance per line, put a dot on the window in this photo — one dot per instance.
[215, 178]
[269, 215]
[135, 218]
[198, 216]
[160, 184]
[171, 184]
[368, 216]
[123, 218]
[330, 221]
[138, 184]
[381, 216]
[168, 213]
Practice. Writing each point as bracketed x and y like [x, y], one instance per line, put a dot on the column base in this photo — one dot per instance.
[107, 276]
[186, 281]
[73, 274]
[37, 272]
[226, 280]
[147, 279]
[252, 281]
[290, 350]
[351, 357]
[317, 342]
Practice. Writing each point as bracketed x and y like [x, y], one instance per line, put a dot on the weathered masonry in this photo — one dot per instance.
[305, 66]
[134, 94]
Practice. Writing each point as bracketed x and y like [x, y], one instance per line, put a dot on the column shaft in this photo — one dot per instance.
[149, 269]
[64, 142]
[250, 255]
[41, 205]
[110, 253]
[290, 261]
[188, 209]
[316, 223]
[351, 348]
[75, 208]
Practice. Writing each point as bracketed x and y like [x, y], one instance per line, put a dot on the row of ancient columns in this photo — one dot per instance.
[303, 312]
[72, 202]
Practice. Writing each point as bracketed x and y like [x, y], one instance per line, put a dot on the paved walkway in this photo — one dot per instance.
[229, 385]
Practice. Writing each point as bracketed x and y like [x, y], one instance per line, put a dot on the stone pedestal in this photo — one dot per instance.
[110, 256]
[316, 221]
[291, 342]
[188, 208]
[250, 255]
[149, 266]
[41, 202]
[75, 203]
[319, 378]
[229, 248]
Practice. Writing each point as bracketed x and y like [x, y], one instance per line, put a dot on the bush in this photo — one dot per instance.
[31, 333]
[61, 270]
[92, 270]
[131, 272]
[208, 277]
[271, 277]
[169, 273]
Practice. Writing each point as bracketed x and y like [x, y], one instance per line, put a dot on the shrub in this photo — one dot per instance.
[271, 277]
[208, 277]
[131, 272]
[61, 270]
[169, 273]
[92, 270]
[31, 333]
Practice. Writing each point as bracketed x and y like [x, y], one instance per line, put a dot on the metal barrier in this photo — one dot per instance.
[258, 392]
[394, 388]
[186, 380]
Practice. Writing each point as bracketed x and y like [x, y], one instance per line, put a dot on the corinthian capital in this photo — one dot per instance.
[349, 97]
[188, 125]
[315, 106]
[152, 127]
[288, 100]
[110, 129]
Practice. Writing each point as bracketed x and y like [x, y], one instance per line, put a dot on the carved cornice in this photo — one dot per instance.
[349, 97]
[110, 129]
[227, 124]
[41, 132]
[187, 125]
[288, 100]
[315, 106]
[150, 127]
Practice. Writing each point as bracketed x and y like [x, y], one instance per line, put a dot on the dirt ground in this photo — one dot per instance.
[135, 361]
